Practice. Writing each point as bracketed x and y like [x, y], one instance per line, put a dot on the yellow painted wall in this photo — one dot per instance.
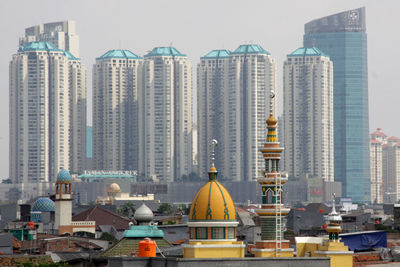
[302, 248]
[271, 254]
[218, 252]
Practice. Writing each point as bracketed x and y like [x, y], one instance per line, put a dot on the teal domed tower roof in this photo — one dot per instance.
[307, 51]
[218, 53]
[250, 49]
[64, 176]
[125, 54]
[44, 204]
[165, 51]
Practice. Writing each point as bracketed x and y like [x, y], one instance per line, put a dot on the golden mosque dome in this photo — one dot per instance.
[212, 202]
[114, 188]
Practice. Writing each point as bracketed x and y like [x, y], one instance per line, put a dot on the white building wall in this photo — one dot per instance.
[166, 118]
[115, 113]
[41, 111]
[233, 104]
[308, 116]
[252, 77]
[213, 113]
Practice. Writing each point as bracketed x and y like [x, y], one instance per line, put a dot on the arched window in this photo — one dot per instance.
[269, 195]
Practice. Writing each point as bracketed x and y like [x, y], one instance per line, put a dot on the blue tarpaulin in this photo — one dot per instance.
[364, 240]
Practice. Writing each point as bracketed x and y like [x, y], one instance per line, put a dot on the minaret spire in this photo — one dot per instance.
[272, 208]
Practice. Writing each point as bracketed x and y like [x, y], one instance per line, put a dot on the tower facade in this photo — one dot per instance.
[377, 142]
[62, 34]
[234, 95]
[166, 115]
[47, 113]
[213, 106]
[343, 38]
[116, 85]
[308, 114]
[272, 209]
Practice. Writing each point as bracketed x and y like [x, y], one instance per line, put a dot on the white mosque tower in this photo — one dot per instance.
[63, 201]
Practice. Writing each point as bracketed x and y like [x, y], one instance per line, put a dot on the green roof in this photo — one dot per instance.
[307, 51]
[119, 54]
[165, 51]
[70, 56]
[105, 175]
[127, 245]
[250, 49]
[143, 231]
[35, 46]
[45, 46]
[223, 53]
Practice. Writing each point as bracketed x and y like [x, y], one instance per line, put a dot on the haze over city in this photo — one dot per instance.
[195, 28]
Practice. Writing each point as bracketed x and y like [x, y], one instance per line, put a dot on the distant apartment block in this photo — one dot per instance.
[62, 34]
[308, 114]
[165, 115]
[47, 113]
[377, 142]
[116, 82]
[391, 170]
[233, 104]
[385, 167]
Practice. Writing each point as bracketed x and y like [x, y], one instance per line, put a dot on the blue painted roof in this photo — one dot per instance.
[165, 51]
[307, 51]
[119, 54]
[222, 53]
[250, 49]
[34, 46]
[44, 204]
[63, 176]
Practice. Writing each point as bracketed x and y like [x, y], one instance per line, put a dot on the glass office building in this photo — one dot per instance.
[343, 37]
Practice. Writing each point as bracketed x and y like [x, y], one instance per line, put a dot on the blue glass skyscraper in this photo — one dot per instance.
[343, 37]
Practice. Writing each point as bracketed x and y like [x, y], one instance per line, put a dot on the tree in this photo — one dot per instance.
[127, 209]
[165, 208]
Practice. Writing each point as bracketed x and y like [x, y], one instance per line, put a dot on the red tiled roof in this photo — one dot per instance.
[374, 141]
[379, 133]
[393, 138]
[103, 217]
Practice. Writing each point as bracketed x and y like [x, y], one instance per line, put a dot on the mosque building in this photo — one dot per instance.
[145, 228]
[212, 221]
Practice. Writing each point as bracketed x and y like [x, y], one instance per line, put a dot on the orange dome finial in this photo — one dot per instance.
[271, 121]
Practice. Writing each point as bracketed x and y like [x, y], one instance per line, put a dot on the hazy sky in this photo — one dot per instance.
[196, 27]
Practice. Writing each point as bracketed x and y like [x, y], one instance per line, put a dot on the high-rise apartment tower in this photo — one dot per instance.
[233, 102]
[165, 115]
[308, 114]
[116, 82]
[47, 113]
